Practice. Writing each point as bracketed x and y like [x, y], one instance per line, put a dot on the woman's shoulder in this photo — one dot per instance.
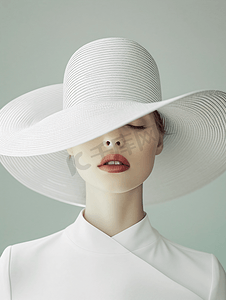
[194, 265]
[199, 258]
[23, 248]
[184, 248]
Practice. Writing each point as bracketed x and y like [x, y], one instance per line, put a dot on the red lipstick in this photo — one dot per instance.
[114, 168]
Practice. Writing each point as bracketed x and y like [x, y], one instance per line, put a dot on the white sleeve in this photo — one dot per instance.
[218, 287]
[5, 289]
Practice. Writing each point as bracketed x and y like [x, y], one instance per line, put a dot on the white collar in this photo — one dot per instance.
[90, 238]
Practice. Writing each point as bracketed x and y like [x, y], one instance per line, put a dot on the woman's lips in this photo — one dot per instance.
[114, 157]
[114, 168]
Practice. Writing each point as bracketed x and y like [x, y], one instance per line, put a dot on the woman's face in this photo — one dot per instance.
[138, 146]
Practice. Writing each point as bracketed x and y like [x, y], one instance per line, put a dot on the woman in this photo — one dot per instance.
[113, 133]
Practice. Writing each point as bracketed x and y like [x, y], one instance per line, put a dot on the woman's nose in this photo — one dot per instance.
[116, 141]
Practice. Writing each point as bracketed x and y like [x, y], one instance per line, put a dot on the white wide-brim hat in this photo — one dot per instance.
[108, 83]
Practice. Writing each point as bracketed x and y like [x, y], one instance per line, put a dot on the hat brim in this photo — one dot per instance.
[36, 131]
[36, 123]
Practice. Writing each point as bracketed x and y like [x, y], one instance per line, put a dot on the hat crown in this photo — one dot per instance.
[111, 68]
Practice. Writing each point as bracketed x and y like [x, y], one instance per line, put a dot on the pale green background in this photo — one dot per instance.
[188, 41]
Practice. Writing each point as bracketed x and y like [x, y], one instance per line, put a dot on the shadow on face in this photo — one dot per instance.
[138, 141]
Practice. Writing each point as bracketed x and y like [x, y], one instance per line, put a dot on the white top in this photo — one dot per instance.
[82, 262]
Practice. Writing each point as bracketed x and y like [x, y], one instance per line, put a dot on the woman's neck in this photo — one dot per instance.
[113, 212]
